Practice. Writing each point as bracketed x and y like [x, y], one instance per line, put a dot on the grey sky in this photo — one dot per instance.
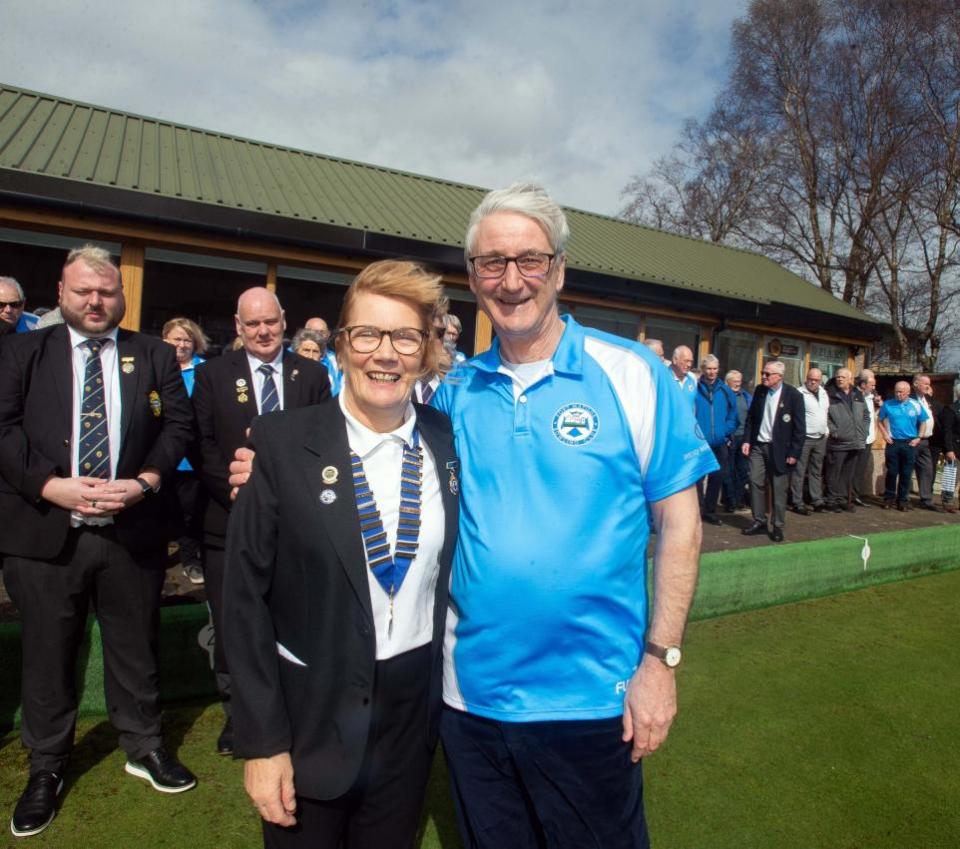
[577, 95]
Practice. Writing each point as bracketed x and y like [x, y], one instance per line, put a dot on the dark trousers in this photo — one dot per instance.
[190, 498]
[860, 487]
[840, 468]
[383, 807]
[54, 598]
[529, 785]
[714, 481]
[900, 458]
[763, 476]
[925, 465]
[736, 476]
[213, 568]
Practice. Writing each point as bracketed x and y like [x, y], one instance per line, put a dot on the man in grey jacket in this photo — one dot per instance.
[847, 423]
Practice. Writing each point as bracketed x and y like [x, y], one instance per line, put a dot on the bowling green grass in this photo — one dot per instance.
[832, 723]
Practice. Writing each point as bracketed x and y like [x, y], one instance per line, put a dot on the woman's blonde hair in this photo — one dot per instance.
[192, 329]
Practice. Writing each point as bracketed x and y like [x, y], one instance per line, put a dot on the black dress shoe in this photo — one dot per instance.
[837, 508]
[926, 505]
[887, 505]
[712, 519]
[225, 740]
[164, 772]
[802, 510]
[38, 804]
[860, 502]
[777, 535]
[820, 508]
[755, 529]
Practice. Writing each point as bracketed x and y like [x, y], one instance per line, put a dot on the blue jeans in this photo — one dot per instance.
[900, 458]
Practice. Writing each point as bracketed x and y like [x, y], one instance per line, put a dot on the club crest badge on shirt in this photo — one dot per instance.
[453, 481]
[576, 424]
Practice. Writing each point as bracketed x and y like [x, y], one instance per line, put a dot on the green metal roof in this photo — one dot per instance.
[47, 135]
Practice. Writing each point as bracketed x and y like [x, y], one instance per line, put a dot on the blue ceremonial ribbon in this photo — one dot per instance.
[391, 571]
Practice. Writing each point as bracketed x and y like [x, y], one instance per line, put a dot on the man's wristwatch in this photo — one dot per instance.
[148, 490]
[670, 655]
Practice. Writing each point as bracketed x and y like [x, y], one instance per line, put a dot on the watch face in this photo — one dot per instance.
[672, 656]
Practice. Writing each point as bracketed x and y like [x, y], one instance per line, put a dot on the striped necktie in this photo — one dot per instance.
[94, 435]
[269, 399]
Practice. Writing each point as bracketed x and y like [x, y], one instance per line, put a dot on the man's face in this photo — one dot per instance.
[520, 308]
[91, 301]
[902, 390]
[11, 308]
[870, 386]
[319, 326]
[843, 380]
[771, 378]
[451, 335]
[924, 387]
[260, 324]
[735, 382]
[710, 371]
[814, 378]
[682, 361]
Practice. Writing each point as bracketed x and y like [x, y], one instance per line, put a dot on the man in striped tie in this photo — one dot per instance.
[259, 378]
[92, 420]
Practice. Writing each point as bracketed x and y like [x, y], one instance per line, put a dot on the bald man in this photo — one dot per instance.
[230, 391]
[900, 420]
[328, 357]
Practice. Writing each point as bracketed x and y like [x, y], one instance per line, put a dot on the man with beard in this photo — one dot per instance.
[92, 419]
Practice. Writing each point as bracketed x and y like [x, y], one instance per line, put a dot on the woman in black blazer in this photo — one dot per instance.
[336, 665]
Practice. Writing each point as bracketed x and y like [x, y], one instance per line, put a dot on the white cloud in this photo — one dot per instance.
[577, 95]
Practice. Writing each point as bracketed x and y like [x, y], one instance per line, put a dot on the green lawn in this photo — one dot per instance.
[832, 723]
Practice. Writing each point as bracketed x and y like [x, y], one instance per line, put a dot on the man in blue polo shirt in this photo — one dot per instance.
[899, 421]
[559, 672]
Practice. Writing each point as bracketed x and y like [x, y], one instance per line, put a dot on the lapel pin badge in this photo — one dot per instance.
[330, 474]
[328, 496]
[293, 375]
[126, 365]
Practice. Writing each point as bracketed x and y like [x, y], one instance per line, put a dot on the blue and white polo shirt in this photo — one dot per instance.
[548, 593]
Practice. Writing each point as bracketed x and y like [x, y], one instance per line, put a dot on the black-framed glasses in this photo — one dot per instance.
[365, 338]
[769, 374]
[493, 266]
[14, 305]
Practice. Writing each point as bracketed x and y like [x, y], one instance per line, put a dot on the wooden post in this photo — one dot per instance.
[483, 335]
[272, 277]
[131, 271]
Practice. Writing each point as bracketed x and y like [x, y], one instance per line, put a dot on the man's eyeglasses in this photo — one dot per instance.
[14, 305]
[365, 339]
[493, 267]
[769, 374]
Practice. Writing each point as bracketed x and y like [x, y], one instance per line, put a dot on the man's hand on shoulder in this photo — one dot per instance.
[240, 468]
[649, 706]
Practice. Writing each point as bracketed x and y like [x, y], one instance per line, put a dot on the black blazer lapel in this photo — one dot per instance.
[132, 370]
[241, 391]
[292, 382]
[448, 476]
[58, 370]
[327, 450]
